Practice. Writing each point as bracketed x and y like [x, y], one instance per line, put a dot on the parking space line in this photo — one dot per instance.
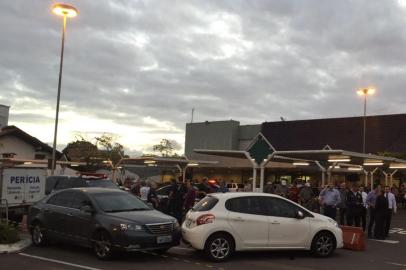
[191, 249]
[397, 264]
[386, 241]
[58, 261]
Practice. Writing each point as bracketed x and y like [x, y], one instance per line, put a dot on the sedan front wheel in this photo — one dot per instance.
[102, 246]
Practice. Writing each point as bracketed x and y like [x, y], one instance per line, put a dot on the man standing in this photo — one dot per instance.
[370, 201]
[392, 207]
[343, 204]
[354, 206]
[329, 198]
[364, 208]
[306, 197]
[381, 210]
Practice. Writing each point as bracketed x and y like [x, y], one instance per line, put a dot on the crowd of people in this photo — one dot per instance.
[351, 205]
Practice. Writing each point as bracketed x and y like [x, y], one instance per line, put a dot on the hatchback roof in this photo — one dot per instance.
[228, 195]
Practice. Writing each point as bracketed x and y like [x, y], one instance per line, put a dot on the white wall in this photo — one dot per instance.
[10, 144]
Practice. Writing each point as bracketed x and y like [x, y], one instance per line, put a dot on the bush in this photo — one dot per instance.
[8, 233]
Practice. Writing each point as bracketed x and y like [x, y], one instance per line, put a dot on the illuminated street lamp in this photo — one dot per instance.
[365, 92]
[66, 11]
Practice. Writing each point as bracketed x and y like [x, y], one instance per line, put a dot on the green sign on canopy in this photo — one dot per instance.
[260, 149]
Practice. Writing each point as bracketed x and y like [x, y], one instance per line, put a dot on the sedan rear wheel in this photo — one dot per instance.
[219, 247]
[102, 246]
[38, 234]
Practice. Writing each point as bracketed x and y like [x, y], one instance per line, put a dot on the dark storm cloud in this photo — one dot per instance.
[245, 60]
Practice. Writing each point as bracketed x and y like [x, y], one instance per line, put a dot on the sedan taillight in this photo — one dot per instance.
[205, 219]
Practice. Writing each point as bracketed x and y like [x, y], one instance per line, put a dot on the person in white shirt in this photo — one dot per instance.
[144, 192]
[391, 209]
[364, 209]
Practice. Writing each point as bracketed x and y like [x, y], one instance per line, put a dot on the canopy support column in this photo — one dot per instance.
[254, 179]
[323, 173]
[372, 177]
[365, 178]
[262, 176]
[386, 177]
[391, 177]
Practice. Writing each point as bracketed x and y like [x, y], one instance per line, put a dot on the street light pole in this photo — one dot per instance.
[365, 92]
[58, 97]
[365, 123]
[64, 11]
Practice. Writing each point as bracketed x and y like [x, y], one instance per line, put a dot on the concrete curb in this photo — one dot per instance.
[18, 246]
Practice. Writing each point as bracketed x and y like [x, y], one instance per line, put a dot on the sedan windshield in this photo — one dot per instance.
[119, 202]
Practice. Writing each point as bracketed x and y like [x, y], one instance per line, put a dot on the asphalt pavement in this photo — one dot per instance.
[379, 255]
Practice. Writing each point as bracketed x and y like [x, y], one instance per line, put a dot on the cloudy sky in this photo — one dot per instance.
[137, 68]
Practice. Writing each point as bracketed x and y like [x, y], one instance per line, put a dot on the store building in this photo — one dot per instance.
[384, 134]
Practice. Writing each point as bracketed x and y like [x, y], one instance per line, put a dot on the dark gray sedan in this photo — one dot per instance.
[104, 219]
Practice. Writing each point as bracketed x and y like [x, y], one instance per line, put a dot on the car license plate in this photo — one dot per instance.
[164, 239]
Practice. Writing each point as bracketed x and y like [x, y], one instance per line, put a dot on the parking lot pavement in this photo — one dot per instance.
[379, 255]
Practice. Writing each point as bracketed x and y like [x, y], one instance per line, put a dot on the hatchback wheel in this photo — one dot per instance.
[38, 235]
[102, 246]
[323, 244]
[219, 247]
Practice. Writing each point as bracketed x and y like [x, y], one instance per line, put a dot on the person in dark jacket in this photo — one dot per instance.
[190, 196]
[381, 209]
[354, 206]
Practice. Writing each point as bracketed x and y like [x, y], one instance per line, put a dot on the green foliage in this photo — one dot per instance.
[105, 148]
[8, 233]
[81, 150]
[111, 150]
[166, 148]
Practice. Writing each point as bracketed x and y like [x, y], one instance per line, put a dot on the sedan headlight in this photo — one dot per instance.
[332, 221]
[130, 227]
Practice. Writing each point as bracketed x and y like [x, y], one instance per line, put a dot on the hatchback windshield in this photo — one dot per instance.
[119, 202]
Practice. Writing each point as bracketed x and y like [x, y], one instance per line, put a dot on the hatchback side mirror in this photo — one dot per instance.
[86, 209]
[300, 215]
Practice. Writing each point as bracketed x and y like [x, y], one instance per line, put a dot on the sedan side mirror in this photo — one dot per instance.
[300, 215]
[86, 209]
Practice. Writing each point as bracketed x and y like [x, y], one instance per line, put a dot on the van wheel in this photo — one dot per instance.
[219, 247]
[38, 235]
[102, 246]
[323, 244]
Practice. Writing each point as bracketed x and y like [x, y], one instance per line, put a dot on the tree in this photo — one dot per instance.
[167, 147]
[112, 150]
[80, 150]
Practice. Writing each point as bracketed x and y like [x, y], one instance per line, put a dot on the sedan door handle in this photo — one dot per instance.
[275, 222]
[240, 219]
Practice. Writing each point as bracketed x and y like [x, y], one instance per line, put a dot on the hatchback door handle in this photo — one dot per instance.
[275, 222]
[240, 219]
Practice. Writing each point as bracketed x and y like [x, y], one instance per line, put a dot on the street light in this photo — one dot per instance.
[365, 92]
[66, 11]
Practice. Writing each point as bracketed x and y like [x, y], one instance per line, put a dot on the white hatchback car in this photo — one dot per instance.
[222, 223]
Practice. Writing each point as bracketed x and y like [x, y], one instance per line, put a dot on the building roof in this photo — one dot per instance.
[383, 133]
[22, 135]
